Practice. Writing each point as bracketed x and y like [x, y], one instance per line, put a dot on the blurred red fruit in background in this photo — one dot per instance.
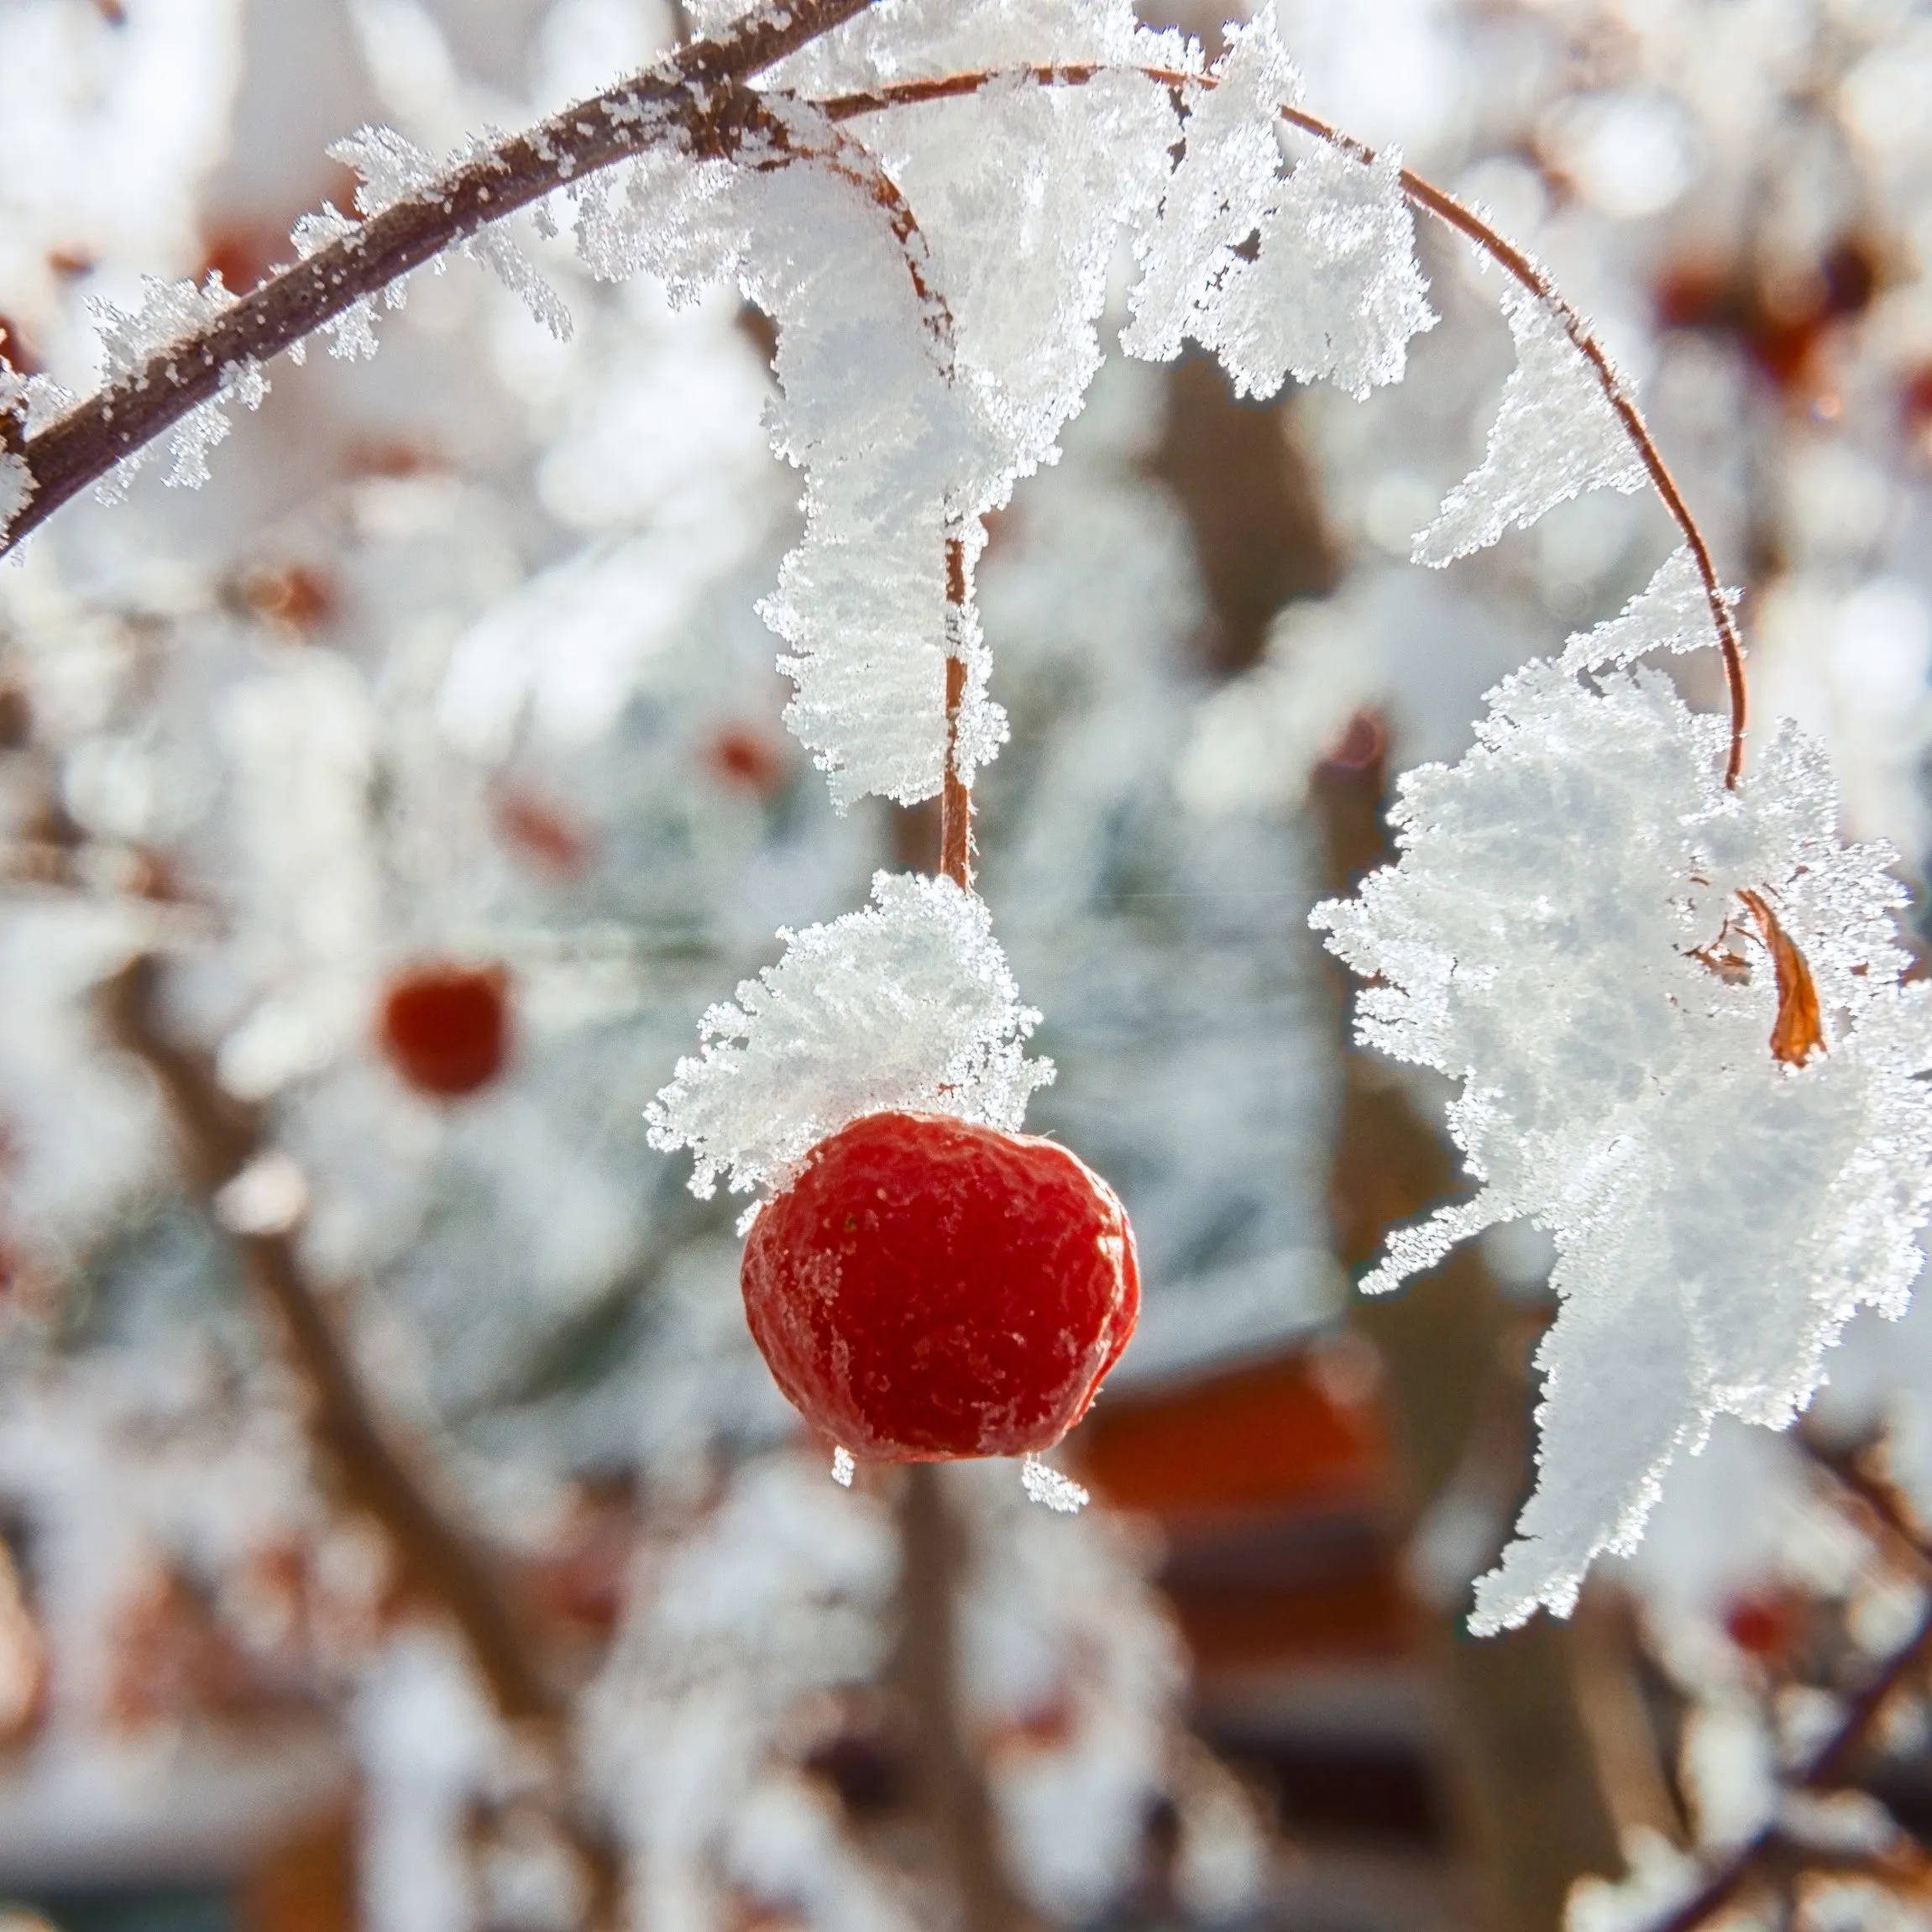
[446, 1029]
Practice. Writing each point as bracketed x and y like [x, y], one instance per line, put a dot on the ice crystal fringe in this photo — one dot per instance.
[1332, 290]
[16, 480]
[390, 168]
[1050, 1488]
[170, 313]
[907, 1004]
[1718, 1217]
[1555, 437]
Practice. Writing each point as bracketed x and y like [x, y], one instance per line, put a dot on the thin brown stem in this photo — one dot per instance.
[1445, 208]
[692, 97]
[955, 795]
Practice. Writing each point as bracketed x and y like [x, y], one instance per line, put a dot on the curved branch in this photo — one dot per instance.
[693, 96]
[1446, 208]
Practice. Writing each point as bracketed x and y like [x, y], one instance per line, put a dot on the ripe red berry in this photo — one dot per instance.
[446, 1029]
[927, 1289]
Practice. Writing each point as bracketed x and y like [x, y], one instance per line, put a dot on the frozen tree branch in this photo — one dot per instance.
[694, 97]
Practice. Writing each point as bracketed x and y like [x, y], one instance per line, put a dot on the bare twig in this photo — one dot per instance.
[694, 97]
[1446, 208]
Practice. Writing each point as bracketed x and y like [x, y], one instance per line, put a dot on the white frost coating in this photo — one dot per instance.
[16, 486]
[170, 313]
[1223, 187]
[1335, 292]
[1671, 612]
[1049, 1487]
[1555, 437]
[907, 1004]
[843, 1467]
[1718, 1216]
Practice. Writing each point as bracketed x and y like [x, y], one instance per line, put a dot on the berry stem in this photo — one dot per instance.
[955, 795]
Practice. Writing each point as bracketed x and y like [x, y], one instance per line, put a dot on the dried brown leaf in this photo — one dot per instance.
[1798, 1031]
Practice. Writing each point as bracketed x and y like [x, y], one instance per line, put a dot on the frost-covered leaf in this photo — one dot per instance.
[907, 1004]
[1224, 185]
[1555, 437]
[1334, 293]
[1718, 1214]
[1671, 612]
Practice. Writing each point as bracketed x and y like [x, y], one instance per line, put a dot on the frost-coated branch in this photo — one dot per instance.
[693, 96]
[1424, 194]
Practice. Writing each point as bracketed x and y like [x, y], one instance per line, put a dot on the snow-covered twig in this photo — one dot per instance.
[695, 97]
[1425, 195]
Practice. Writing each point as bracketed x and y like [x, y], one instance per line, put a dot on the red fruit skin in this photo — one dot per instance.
[446, 1029]
[928, 1290]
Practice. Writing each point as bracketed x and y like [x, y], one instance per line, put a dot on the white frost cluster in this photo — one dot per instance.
[1555, 437]
[1333, 290]
[1564, 934]
[907, 1004]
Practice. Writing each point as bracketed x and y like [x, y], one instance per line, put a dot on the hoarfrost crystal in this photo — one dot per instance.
[907, 1004]
[1334, 290]
[1671, 612]
[1555, 437]
[1218, 194]
[1049, 1488]
[1334, 293]
[1564, 933]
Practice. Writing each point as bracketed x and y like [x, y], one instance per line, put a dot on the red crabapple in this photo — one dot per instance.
[446, 1028]
[929, 1289]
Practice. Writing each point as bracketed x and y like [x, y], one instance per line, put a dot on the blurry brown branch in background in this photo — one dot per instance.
[1773, 1856]
[438, 1564]
[693, 97]
[951, 1783]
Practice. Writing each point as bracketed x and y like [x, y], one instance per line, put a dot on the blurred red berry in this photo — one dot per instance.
[929, 1289]
[1765, 1626]
[542, 833]
[446, 1029]
[291, 595]
[747, 759]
